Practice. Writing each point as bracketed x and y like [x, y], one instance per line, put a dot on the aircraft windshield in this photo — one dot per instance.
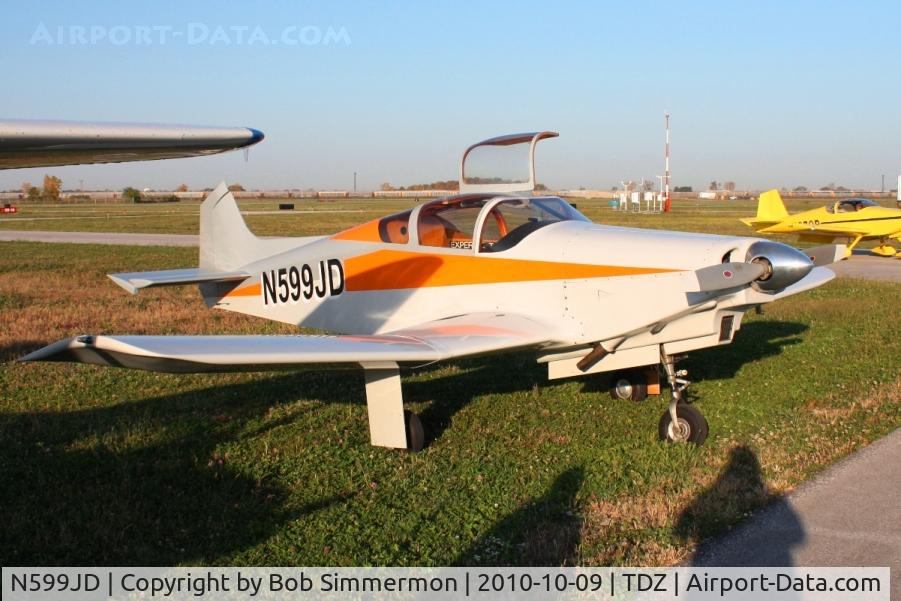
[510, 221]
[851, 205]
[449, 224]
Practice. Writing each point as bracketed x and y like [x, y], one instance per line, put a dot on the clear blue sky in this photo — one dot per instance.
[762, 93]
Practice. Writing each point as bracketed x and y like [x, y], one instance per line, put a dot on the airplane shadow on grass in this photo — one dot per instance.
[73, 494]
[755, 341]
[142, 482]
[17, 349]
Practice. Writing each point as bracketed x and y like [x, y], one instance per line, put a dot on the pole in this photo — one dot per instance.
[667, 204]
[355, 183]
[659, 194]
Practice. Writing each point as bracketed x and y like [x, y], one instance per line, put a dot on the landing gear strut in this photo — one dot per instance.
[681, 422]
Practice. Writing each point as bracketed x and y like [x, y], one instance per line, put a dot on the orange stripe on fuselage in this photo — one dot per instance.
[252, 290]
[393, 270]
[366, 232]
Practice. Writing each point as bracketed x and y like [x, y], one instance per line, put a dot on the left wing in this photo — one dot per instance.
[463, 336]
[28, 143]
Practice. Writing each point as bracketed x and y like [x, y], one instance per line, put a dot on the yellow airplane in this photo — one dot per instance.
[855, 218]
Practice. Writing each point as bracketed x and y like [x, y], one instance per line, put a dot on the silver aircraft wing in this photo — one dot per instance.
[29, 143]
[463, 336]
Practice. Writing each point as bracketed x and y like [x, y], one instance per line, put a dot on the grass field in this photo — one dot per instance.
[314, 217]
[105, 466]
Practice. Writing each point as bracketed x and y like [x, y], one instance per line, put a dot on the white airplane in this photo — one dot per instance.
[491, 270]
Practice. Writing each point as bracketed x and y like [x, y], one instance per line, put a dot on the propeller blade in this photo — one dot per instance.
[727, 275]
[826, 254]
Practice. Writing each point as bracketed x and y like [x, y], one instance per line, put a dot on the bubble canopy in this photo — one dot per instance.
[505, 164]
[480, 223]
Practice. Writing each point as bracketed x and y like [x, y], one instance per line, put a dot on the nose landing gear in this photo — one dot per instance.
[681, 422]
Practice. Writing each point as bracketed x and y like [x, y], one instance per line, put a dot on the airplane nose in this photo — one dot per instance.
[783, 265]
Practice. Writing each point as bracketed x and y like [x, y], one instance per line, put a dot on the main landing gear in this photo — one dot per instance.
[681, 422]
[884, 249]
[629, 385]
[415, 432]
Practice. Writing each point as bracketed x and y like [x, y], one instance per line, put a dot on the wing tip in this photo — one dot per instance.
[123, 282]
[255, 136]
[53, 351]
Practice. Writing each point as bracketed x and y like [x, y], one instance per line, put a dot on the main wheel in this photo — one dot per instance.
[415, 433]
[689, 427]
[629, 385]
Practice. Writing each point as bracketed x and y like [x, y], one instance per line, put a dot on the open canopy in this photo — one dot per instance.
[504, 164]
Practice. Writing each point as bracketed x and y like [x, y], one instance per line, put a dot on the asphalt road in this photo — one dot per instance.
[100, 238]
[850, 515]
[869, 267]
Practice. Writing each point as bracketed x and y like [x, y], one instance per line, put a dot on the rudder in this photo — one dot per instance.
[770, 207]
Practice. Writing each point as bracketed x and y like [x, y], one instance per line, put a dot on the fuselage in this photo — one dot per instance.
[870, 221]
[587, 281]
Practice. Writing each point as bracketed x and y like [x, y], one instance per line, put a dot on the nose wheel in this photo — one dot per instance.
[690, 425]
[681, 422]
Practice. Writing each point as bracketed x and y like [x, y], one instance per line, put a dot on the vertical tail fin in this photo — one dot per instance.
[770, 210]
[225, 242]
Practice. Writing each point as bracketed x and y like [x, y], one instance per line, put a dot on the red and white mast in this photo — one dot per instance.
[666, 181]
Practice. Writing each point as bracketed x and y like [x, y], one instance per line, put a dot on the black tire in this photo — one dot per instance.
[629, 385]
[415, 433]
[690, 418]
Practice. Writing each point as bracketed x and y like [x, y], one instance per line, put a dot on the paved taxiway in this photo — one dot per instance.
[100, 238]
[869, 267]
[847, 516]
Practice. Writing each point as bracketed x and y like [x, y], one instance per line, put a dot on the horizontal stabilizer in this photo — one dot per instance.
[462, 336]
[759, 223]
[174, 277]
